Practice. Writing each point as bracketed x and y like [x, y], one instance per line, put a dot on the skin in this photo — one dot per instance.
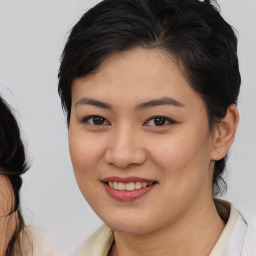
[7, 222]
[179, 154]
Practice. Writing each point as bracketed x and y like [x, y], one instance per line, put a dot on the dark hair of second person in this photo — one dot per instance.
[13, 164]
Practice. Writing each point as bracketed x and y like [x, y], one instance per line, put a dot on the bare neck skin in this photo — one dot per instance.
[194, 234]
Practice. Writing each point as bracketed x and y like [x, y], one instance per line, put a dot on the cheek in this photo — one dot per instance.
[185, 176]
[183, 158]
[84, 154]
[85, 159]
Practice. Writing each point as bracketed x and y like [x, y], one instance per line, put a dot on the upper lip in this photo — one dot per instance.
[127, 179]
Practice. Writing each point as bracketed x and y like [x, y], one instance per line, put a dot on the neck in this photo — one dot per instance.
[194, 234]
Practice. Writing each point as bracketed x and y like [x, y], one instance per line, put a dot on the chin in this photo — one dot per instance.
[131, 225]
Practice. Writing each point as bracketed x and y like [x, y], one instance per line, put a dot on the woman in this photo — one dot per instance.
[16, 239]
[12, 165]
[150, 90]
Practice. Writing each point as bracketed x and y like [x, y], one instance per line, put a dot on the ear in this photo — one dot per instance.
[224, 133]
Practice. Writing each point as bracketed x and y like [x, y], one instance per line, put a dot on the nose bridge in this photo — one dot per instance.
[125, 148]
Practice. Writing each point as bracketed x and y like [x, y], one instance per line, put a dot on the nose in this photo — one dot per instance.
[125, 149]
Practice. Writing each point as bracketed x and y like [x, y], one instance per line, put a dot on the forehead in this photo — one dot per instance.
[135, 75]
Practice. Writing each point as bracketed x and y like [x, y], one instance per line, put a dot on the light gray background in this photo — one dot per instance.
[32, 36]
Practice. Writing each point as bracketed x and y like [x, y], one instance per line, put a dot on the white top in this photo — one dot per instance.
[237, 238]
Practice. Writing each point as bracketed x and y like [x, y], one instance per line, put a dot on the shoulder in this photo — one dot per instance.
[243, 239]
[249, 246]
[238, 237]
[98, 244]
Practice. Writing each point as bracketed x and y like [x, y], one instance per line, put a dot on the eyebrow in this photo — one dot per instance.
[159, 102]
[93, 102]
[148, 104]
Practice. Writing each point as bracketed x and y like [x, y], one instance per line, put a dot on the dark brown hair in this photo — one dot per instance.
[12, 164]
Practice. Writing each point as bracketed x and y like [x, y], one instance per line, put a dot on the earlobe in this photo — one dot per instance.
[224, 133]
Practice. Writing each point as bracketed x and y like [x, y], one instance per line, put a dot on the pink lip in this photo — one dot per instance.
[127, 196]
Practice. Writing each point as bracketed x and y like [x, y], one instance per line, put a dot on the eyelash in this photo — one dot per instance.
[167, 121]
[87, 118]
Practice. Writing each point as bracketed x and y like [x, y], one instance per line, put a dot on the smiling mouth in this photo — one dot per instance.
[130, 186]
[127, 189]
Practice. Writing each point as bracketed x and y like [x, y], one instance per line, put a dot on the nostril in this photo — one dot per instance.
[124, 157]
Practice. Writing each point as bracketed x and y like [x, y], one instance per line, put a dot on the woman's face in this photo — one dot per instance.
[140, 142]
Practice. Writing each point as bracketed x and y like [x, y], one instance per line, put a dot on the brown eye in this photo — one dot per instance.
[159, 121]
[95, 120]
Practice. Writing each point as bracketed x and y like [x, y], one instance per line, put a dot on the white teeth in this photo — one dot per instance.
[138, 185]
[121, 186]
[144, 184]
[131, 186]
[115, 185]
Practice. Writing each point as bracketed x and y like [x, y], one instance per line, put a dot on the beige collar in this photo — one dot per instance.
[230, 215]
[101, 241]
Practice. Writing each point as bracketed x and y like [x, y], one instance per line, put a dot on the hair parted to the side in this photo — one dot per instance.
[191, 31]
[13, 164]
